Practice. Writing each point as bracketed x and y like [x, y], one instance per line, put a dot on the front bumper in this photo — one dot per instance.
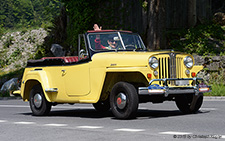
[155, 89]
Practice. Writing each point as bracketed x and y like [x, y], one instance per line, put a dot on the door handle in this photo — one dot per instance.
[63, 72]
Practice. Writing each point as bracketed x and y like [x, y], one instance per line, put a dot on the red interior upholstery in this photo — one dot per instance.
[69, 59]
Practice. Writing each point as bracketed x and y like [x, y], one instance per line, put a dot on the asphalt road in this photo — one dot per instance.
[80, 122]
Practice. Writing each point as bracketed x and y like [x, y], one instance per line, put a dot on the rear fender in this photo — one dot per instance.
[33, 78]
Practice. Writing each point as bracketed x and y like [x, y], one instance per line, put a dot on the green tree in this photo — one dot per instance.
[81, 18]
[20, 13]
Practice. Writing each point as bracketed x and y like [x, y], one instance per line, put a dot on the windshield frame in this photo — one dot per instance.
[121, 40]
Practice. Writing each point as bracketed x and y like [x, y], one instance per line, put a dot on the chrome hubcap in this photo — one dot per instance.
[121, 100]
[37, 100]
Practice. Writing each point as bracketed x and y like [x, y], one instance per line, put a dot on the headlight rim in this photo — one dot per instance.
[150, 62]
[187, 62]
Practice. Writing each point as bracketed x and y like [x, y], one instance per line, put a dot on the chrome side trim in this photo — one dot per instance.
[51, 90]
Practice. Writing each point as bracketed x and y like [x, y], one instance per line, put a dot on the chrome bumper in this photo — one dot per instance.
[166, 90]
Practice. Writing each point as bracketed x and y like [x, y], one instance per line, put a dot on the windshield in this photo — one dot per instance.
[115, 41]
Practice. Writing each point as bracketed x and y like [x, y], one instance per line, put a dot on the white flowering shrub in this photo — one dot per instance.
[18, 47]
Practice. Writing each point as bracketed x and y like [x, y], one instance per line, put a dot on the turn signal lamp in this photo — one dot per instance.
[203, 89]
[193, 74]
[149, 75]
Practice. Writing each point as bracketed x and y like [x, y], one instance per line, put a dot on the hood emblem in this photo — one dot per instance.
[172, 54]
[113, 64]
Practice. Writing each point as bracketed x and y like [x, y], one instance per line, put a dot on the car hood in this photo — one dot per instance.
[124, 59]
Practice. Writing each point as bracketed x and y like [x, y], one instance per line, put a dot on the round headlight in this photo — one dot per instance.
[153, 62]
[188, 62]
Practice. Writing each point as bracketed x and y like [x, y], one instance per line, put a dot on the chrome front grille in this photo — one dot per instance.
[178, 67]
[164, 65]
[170, 67]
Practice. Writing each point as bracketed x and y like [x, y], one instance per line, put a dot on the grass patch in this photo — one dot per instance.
[217, 90]
[217, 81]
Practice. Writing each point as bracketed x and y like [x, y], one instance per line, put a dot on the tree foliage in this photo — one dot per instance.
[112, 14]
[81, 15]
[26, 13]
[203, 39]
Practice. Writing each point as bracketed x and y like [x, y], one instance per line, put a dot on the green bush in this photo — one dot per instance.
[2, 30]
[217, 81]
[217, 90]
[203, 39]
[4, 94]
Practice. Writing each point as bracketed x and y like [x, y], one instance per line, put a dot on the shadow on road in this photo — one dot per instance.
[162, 113]
[91, 113]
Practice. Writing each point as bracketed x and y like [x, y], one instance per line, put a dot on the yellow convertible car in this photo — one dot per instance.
[113, 70]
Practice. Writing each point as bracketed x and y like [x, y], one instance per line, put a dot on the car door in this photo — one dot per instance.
[77, 79]
[77, 76]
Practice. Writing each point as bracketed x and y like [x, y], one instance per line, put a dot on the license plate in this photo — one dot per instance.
[182, 82]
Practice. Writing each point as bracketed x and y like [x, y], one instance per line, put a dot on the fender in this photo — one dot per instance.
[34, 77]
[144, 70]
[196, 69]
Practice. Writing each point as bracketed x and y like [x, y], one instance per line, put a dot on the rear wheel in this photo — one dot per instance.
[38, 103]
[189, 103]
[124, 100]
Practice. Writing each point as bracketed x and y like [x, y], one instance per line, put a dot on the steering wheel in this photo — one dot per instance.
[130, 47]
[82, 53]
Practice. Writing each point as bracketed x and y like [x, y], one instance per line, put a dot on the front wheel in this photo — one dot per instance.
[38, 103]
[124, 100]
[189, 103]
